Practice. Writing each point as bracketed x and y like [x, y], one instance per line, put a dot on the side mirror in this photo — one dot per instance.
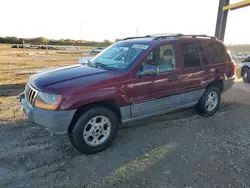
[84, 60]
[148, 70]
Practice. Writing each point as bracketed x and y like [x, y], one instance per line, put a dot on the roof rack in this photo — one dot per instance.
[170, 35]
[200, 36]
[184, 36]
[128, 38]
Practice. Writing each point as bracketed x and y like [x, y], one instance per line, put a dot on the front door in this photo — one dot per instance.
[163, 89]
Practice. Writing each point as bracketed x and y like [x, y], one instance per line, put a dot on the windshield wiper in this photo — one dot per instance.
[90, 64]
[103, 66]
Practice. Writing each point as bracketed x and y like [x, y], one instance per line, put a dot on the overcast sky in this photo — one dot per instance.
[110, 19]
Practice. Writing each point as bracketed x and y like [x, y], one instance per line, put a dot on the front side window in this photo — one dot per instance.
[163, 57]
[190, 53]
[118, 56]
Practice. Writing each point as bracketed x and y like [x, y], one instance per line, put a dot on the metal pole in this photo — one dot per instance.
[46, 47]
[221, 20]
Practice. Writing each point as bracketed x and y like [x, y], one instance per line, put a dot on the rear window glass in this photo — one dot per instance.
[218, 52]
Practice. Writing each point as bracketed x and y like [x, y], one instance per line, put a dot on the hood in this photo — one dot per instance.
[64, 74]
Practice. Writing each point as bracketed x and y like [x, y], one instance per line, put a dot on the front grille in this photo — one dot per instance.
[30, 94]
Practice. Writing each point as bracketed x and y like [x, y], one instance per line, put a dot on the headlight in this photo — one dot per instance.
[47, 101]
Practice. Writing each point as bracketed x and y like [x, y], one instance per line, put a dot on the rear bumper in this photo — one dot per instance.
[56, 122]
[228, 83]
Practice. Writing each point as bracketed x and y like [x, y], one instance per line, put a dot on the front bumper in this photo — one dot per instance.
[56, 122]
[228, 83]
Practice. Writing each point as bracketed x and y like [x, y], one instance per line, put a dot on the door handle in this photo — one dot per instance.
[173, 78]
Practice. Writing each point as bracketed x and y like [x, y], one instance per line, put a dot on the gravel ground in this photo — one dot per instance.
[181, 149]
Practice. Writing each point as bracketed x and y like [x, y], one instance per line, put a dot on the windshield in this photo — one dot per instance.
[118, 56]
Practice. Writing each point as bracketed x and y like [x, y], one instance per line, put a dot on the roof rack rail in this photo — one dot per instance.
[163, 36]
[202, 36]
[128, 38]
[181, 35]
[154, 36]
[171, 35]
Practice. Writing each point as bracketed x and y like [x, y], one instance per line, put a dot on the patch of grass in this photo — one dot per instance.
[14, 63]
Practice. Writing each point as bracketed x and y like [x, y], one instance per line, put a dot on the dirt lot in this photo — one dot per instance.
[180, 149]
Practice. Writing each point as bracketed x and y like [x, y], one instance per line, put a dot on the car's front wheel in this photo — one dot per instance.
[246, 75]
[94, 131]
[209, 102]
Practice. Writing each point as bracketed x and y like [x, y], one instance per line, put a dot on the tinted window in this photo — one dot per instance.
[202, 55]
[217, 52]
[162, 57]
[191, 57]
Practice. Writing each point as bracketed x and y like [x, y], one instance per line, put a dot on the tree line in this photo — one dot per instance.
[43, 40]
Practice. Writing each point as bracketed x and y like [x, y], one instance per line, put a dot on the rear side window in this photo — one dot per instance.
[218, 52]
[191, 57]
[202, 55]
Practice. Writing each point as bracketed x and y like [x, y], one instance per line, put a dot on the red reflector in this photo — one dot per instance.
[234, 69]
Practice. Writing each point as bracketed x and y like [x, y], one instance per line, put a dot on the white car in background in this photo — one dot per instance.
[237, 56]
[245, 70]
[96, 50]
[241, 56]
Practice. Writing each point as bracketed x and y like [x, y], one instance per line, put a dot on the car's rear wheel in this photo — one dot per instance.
[94, 131]
[209, 102]
[246, 75]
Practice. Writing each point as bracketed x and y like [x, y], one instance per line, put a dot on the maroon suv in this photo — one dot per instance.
[132, 79]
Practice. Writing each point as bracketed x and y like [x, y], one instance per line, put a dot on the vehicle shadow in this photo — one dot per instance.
[8, 90]
[175, 115]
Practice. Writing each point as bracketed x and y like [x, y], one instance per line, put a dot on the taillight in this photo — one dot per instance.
[234, 69]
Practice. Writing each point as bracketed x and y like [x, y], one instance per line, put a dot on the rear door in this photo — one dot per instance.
[208, 67]
[192, 72]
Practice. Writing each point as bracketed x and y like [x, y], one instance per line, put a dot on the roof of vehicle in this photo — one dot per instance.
[161, 38]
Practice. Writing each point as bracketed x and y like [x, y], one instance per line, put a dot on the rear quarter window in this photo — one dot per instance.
[218, 52]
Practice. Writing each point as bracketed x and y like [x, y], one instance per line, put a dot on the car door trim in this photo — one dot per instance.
[160, 106]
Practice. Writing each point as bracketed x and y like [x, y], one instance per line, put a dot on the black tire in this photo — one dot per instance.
[246, 75]
[76, 131]
[201, 107]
